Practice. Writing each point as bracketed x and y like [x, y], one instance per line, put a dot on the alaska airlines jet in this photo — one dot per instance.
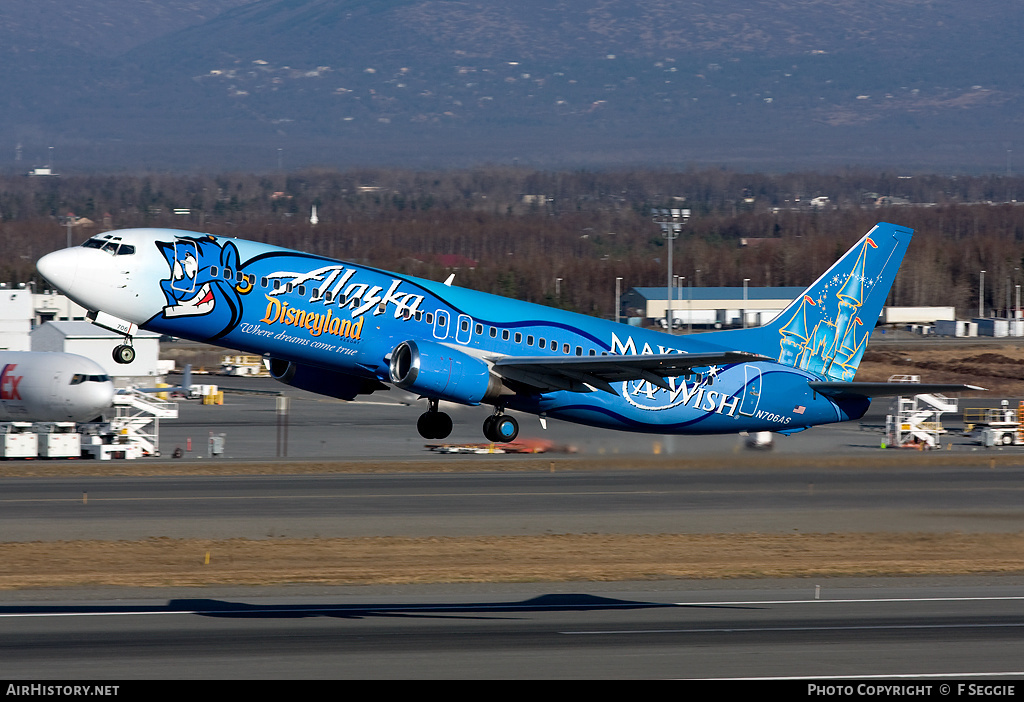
[341, 329]
[52, 387]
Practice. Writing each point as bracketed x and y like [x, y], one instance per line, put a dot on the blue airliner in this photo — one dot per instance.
[341, 329]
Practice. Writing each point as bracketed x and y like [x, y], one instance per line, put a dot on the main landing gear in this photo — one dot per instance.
[433, 424]
[500, 428]
[124, 353]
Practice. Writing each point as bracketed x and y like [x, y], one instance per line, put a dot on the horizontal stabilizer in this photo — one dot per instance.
[840, 389]
[582, 374]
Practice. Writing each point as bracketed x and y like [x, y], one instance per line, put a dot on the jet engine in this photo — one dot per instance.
[437, 371]
[343, 386]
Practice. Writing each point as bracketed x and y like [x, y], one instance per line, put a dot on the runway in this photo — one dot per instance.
[916, 630]
[726, 500]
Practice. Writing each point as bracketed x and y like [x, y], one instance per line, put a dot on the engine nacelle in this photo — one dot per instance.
[435, 370]
[321, 381]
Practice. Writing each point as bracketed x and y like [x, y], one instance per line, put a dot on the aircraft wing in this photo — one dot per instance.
[843, 390]
[583, 374]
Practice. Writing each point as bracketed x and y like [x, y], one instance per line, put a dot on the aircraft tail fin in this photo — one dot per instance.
[826, 328]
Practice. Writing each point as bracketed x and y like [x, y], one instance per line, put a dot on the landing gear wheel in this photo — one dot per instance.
[500, 428]
[124, 354]
[434, 425]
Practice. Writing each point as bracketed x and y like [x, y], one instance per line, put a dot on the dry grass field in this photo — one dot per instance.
[997, 367]
[165, 562]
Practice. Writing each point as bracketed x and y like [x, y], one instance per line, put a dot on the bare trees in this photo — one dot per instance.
[555, 238]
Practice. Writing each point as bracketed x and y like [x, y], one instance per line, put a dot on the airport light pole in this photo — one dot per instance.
[981, 297]
[671, 221]
[744, 312]
[679, 295]
[690, 303]
[1007, 308]
[618, 299]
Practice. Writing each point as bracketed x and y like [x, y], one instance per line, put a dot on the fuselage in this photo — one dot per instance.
[348, 318]
[52, 387]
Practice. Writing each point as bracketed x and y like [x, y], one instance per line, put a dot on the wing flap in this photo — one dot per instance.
[584, 374]
[840, 389]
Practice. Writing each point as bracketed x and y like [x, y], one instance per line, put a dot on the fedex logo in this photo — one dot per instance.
[9, 383]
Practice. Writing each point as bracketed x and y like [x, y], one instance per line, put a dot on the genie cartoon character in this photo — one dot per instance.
[200, 292]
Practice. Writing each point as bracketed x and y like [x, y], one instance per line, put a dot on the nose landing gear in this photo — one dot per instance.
[124, 353]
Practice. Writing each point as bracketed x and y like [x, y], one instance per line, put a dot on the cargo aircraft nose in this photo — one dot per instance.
[94, 394]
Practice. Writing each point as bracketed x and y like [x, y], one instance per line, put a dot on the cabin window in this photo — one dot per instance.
[529, 339]
[430, 318]
[494, 332]
[554, 345]
[542, 343]
[565, 348]
[504, 334]
[464, 325]
[213, 271]
[479, 329]
[519, 338]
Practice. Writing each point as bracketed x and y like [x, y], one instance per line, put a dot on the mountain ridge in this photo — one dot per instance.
[236, 83]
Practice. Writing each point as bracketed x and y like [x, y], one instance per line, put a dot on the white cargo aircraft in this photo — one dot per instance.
[52, 387]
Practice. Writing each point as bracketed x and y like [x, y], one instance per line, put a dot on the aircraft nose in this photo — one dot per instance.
[101, 396]
[90, 399]
[60, 269]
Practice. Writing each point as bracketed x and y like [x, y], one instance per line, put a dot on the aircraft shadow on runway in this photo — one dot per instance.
[227, 609]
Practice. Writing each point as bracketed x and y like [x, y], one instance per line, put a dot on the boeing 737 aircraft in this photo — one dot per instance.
[52, 387]
[341, 330]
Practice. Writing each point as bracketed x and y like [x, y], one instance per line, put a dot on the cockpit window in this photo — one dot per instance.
[111, 246]
[79, 378]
